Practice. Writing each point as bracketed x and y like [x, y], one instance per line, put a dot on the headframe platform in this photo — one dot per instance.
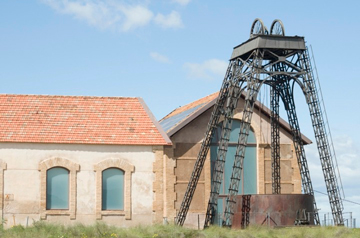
[280, 62]
[280, 45]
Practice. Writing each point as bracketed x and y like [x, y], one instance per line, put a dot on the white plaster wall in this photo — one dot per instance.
[22, 180]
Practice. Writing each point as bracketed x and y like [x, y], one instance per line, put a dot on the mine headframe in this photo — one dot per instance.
[280, 62]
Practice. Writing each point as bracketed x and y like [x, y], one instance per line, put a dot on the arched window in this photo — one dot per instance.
[57, 188]
[112, 189]
[249, 173]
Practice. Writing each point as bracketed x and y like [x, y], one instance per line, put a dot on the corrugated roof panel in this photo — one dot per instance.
[170, 122]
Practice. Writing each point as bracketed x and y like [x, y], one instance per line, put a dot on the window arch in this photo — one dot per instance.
[52, 174]
[112, 189]
[57, 188]
[111, 172]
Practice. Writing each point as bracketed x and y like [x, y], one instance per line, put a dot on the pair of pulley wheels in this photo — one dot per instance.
[258, 28]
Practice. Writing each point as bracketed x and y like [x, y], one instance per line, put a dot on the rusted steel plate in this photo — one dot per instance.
[271, 209]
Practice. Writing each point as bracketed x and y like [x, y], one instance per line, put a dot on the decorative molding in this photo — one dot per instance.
[128, 170]
[73, 169]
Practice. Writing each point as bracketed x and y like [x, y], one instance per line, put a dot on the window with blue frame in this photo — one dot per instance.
[57, 188]
[113, 189]
[248, 182]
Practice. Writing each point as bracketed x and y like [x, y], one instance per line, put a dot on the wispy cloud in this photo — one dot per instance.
[348, 158]
[209, 69]
[160, 58]
[173, 20]
[97, 14]
[182, 2]
[136, 16]
[118, 15]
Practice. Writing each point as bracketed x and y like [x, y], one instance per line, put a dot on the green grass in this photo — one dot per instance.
[43, 229]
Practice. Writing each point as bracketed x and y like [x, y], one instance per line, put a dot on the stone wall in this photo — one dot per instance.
[23, 167]
[186, 146]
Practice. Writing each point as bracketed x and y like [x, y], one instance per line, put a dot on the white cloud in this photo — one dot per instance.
[173, 20]
[136, 16]
[116, 15]
[348, 158]
[182, 2]
[160, 58]
[98, 14]
[209, 69]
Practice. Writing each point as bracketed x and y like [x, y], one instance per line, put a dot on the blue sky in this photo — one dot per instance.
[176, 51]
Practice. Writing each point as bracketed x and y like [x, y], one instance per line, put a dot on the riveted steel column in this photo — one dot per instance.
[322, 141]
[199, 164]
[275, 141]
[288, 99]
[253, 86]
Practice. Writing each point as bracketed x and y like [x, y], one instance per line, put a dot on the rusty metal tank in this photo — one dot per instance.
[273, 210]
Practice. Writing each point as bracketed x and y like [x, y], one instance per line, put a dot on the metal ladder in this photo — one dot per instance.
[322, 140]
[199, 164]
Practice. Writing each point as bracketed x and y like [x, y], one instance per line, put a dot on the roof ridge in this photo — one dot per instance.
[67, 96]
[190, 105]
[174, 127]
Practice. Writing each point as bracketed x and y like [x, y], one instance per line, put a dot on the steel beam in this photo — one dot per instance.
[253, 86]
[199, 164]
[275, 140]
[322, 141]
[288, 99]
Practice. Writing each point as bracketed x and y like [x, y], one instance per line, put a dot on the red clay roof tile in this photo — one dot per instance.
[79, 120]
[203, 100]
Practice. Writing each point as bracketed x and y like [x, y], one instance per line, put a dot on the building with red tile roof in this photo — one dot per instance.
[74, 159]
[186, 127]
[78, 120]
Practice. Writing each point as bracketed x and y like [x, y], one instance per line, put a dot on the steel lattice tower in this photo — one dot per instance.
[281, 62]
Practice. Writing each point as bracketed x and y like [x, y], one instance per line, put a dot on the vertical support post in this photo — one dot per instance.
[199, 164]
[253, 87]
[218, 170]
[322, 141]
[275, 140]
[288, 99]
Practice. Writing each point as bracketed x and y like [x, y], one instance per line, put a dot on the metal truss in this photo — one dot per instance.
[199, 164]
[242, 74]
[275, 140]
[322, 140]
[245, 210]
[218, 171]
[253, 87]
[253, 84]
[288, 99]
[249, 69]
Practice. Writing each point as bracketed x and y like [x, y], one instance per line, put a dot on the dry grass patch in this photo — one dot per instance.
[43, 229]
